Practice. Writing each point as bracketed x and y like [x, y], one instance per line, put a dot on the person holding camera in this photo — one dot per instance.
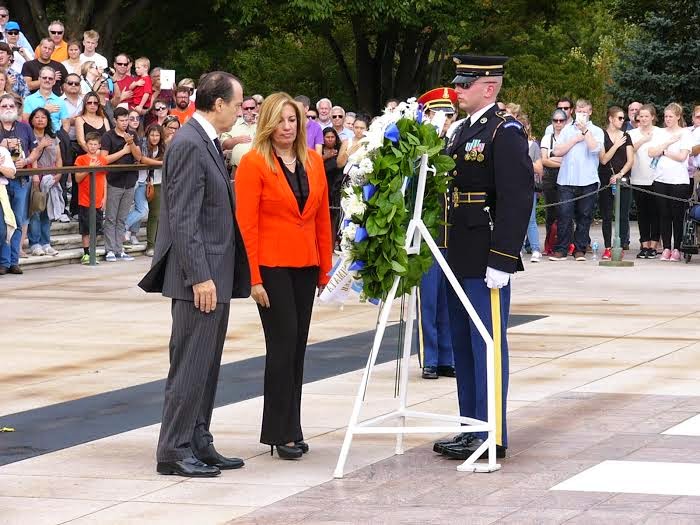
[579, 146]
[20, 54]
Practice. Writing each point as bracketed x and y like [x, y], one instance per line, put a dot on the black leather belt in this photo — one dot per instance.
[469, 197]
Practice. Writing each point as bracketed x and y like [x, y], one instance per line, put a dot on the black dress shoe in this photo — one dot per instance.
[430, 372]
[463, 438]
[286, 452]
[446, 371]
[302, 445]
[3, 270]
[463, 451]
[212, 458]
[188, 467]
[15, 269]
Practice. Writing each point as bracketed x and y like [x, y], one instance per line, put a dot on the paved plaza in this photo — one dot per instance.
[603, 409]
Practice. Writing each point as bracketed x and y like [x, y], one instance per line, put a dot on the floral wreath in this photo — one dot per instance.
[377, 201]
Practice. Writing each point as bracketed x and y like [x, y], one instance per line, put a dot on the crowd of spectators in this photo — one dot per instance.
[62, 104]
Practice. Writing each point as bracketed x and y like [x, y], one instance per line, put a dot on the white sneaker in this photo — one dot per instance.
[37, 250]
[535, 257]
[135, 240]
[110, 257]
[64, 218]
[124, 257]
[48, 250]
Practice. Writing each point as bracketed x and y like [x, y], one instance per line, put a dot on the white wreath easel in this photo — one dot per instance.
[417, 231]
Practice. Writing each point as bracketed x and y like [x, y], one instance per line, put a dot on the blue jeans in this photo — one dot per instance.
[533, 234]
[39, 229]
[140, 210]
[18, 192]
[581, 211]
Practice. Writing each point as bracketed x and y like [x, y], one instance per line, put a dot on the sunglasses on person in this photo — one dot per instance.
[558, 120]
[4, 15]
[467, 85]
[312, 117]
[47, 78]
[123, 64]
[620, 118]
[56, 32]
[69, 83]
[565, 108]
[92, 103]
[12, 32]
[249, 108]
[161, 108]
[337, 116]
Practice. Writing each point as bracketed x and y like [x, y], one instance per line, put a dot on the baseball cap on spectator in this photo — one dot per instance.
[10, 26]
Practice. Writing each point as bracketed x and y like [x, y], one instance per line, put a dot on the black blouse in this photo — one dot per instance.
[619, 158]
[298, 181]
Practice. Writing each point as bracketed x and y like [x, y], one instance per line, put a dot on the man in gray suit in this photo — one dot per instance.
[200, 263]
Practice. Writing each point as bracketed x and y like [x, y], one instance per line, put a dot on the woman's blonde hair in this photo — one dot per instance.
[268, 120]
[678, 111]
[86, 67]
[513, 109]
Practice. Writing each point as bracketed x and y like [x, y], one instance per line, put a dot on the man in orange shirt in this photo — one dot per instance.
[184, 107]
[56, 32]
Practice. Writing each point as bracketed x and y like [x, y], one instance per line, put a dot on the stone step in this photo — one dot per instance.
[67, 241]
[72, 256]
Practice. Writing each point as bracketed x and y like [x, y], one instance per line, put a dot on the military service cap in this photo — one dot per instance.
[471, 67]
[439, 99]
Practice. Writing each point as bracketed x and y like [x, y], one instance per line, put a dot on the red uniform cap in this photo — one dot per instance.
[439, 99]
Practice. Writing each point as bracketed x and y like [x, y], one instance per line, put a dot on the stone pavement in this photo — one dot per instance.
[604, 385]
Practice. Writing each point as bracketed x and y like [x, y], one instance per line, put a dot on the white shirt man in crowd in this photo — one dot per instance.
[90, 40]
[338, 123]
[323, 107]
[240, 139]
[579, 144]
[73, 100]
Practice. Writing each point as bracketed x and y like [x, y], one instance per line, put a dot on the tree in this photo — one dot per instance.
[109, 17]
[660, 64]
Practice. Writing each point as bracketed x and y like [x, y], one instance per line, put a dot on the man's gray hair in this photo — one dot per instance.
[324, 100]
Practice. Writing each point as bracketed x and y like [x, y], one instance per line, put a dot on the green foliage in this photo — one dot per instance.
[388, 211]
[659, 65]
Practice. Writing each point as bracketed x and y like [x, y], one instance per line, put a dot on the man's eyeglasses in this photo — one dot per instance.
[12, 32]
[4, 15]
[251, 108]
[56, 32]
[123, 64]
[46, 78]
[312, 117]
[68, 83]
[337, 116]
[565, 108]
[558, 120]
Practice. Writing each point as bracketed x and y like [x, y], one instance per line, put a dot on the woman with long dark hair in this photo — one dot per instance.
[282, 212]
[92, 118]
[616, 161]
[332, 145]
[40, 223]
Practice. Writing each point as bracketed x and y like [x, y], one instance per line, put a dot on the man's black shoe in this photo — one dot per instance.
[15, 269]
[463, 451]
[459, 439]
[3, 270]
[430, 372]
[446, 371]
[212, 458]
[188, 467]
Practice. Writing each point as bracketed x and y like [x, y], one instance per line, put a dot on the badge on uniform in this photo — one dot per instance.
[474, 150]
[483, 120]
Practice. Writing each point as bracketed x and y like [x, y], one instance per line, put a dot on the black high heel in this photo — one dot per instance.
[302, 445]
[286, 452]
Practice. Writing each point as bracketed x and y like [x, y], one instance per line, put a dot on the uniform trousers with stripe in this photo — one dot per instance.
[469, 351]
[434, 340]
[286, 323]
[196, 344]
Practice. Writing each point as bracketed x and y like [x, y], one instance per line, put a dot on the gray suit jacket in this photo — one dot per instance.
[198, 237]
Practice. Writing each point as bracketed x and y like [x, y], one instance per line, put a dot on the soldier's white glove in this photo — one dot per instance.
[496, 278]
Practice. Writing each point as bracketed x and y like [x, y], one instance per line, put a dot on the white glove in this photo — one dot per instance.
[496, 278]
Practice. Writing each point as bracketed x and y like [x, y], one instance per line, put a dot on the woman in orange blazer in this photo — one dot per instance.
[284, 218]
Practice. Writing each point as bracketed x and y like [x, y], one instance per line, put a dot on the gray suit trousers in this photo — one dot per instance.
[196, 345]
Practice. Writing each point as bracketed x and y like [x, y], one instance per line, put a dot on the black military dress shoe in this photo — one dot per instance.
[464, 437]
[188, 467]
[446, 371]
[430, 372]
[212, 458]
[15, 269]
[463, 450]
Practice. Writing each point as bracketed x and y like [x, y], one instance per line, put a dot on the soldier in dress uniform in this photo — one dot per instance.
[434, 339]
[490, 205]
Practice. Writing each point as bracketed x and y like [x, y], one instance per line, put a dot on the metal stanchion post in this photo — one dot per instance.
[617, 259]
[93, 220]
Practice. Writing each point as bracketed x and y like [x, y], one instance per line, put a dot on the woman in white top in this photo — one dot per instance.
[551, 166]
[670, 154]
[90, 75]
[642, 176]
[73, 64]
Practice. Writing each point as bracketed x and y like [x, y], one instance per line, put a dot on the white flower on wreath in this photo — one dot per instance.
[349, 231]
[352, 204]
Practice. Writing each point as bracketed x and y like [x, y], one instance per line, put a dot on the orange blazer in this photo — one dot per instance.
[273, 230]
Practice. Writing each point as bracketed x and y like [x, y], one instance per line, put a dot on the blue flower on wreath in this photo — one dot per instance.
[392, 133]
[368, 190]
[361, 234]
[357, 266]
[419, 114]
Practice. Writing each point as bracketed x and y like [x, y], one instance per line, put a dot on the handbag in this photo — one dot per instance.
[150, 189]
[37, 201]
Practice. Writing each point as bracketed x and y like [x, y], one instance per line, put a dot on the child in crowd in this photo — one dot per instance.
[142, 88]
[91, 158]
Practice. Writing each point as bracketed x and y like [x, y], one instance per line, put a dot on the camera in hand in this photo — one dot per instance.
[15, 49]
